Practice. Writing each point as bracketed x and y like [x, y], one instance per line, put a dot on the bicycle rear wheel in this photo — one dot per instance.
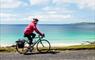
[43, 46]
[24, 49]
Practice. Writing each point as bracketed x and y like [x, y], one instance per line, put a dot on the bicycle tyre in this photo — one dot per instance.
[44, 42]
[24, 49]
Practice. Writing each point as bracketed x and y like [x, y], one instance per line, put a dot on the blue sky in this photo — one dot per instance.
[47, 11]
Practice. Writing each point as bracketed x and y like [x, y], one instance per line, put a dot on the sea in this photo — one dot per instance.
[54, 33]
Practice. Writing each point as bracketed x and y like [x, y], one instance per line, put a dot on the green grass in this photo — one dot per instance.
[75, 47]
[7, 49]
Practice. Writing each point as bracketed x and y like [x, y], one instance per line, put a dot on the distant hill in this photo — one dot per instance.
[82, 25]
[85, 23]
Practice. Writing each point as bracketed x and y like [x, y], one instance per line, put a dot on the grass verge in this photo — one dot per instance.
[7, 49]
[75, 47]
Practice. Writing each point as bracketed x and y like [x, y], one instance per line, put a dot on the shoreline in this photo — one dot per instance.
[52, 44]
[64, 44]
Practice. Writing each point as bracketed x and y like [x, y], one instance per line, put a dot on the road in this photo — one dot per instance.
[64, 55]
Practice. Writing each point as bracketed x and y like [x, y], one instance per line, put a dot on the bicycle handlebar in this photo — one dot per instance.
[39, 36]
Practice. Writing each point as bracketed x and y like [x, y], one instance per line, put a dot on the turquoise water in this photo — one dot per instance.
[63, 33]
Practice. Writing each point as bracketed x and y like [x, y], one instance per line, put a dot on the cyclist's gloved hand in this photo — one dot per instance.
[43, 35]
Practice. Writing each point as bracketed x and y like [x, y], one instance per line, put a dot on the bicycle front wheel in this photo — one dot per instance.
[43, 46]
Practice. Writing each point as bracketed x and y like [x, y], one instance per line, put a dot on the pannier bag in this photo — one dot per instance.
[20, 43]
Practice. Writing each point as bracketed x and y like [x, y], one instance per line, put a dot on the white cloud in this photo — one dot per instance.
[58, 10]
[54, 17]
[39, 2]
[50, 15]
[81, 3]
[6, 15]
[11, 3]
[18, 3]
[8, 18]
[59, 2]
[86, 3]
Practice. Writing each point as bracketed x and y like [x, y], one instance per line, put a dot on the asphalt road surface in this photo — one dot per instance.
[64, 55]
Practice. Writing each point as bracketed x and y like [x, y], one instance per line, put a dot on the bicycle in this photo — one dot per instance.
[42, 45]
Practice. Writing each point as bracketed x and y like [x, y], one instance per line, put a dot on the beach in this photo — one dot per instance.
[53, 45]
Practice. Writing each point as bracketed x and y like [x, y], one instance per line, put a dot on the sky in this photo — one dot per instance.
[47, 11]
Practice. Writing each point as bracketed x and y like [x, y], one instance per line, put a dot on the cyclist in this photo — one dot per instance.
[28, 32]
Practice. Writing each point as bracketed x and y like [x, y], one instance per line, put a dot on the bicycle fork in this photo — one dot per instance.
[41, 43]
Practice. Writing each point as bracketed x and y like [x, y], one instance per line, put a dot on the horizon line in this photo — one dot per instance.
[49, 23]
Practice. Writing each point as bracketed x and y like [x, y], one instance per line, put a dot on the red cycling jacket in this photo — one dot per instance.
[31, 28]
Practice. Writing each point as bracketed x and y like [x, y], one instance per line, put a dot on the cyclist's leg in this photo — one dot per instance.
[29, 38]
[33, 35]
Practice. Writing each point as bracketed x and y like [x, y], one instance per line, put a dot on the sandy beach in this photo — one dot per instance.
[53, 45]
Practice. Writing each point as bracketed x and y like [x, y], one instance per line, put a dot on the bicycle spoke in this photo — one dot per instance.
[43, 46]
[42, 43]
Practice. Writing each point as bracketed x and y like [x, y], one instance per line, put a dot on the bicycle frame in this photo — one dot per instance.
[39, 40]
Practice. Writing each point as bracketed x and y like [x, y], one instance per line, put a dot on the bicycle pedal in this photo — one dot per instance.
[29, 50]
